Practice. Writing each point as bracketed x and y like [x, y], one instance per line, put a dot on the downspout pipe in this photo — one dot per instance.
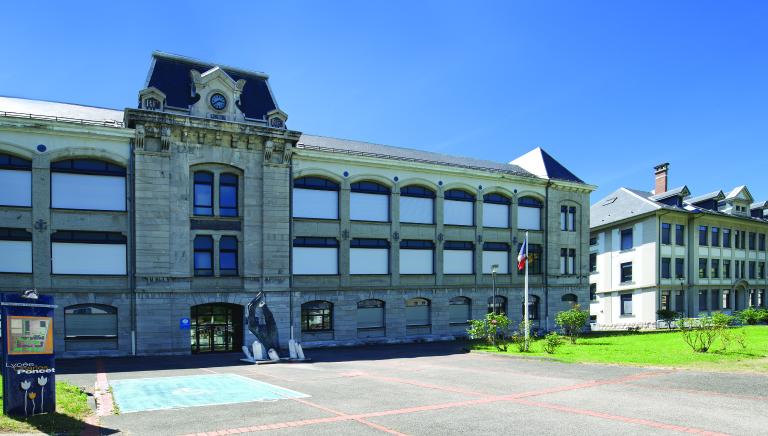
[546, 255]
[132, 230]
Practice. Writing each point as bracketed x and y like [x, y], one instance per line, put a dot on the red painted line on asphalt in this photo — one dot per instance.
[337, 413]
[701, 392]
[423, 385]
[103, 396]
[639, 421]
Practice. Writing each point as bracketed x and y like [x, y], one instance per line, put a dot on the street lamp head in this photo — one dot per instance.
[494, 269]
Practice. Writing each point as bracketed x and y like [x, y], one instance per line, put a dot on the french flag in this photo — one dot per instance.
[522, 258]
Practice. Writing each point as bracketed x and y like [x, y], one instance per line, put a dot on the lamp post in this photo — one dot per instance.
[494, 268]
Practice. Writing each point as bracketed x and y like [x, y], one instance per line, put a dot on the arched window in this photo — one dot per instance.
[533, 307]
[203, 193]
[417, 312]
[228, 194]
[417, 205]
[459, 310]
[16, 172]
[316, 316]
[90, 327]
[570, 298]
[498, 306]
[459, 208]
[496, 210]
[315, 197]
[87, 184]
[228, 256]
[370, 318]
[368, 201]
[529, 213]
[203, 255]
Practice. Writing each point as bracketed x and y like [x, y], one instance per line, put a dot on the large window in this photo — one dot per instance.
[497, 304]
[369, 256]
[90, 327]
[702, 300]
[458, 257]
[752, 241]
[715, 237]
[496, 253]
[666, 268]
[315, 197]
[679, 234]
[496, 210]
[761, 242]
[702, 268]
[417, 257]
[369, 201]
[459, 310]
[203, 255]
[679, 268]
[203, 193]
[529, 213]
[315, 256]
[626, 304]
[726, 269]
[228, 194]
[317, 316]
[727, 238]
[666, 233]
[703, 235]
[714, 299]
[567, 261]
[228, 256]
[535, 263]
[592, 262]
[15, 251]
[626, 272]
[87, 184]
[714, 268]
[417, 312]
[370, 318]
[417, 205]
[626, 239]
[727, 299]
[568, 218]
[16, 172]
[459, 208]
[533, 308]
[91, 253]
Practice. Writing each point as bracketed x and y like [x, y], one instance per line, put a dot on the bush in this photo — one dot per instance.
[572, 321]
[493, 330]
[698, 333]
[750, 316]
[551, 342]
[667, 316]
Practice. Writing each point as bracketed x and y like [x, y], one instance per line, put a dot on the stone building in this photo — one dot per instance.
[155, 226]
[669, 250]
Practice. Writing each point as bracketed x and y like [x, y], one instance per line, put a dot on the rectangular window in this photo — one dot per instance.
[21, 179]
[496, 253]
[626, 239]
[761, 270]
[369, 201]
[666, 266]
[228, 194]
[752, 240]
[714, 268]
[563, 217]
[626, 272]
[563, 261]
[726, 269]
[495, 215]
[761, 242]
[626, 304]
[703, 235]
[315, 203]
[664, 302]
[727, 238]
[752, 269]
[702, 268]
[679, 301]
[593, 292]
[529, 213]
[737, 237]
[726, 299]
[679, 268]
[534, 259]
[702, 300]
[592, 241]
[572, 219]
[203, 255]
[679, 234]
[458, 257]
[202, 193]
[87, 192]
[715, 237]
[315, 256]
[15, 250]
[666, 233]
[88, 253]
[417, 257]
[369, 256]
[571, 261]
[228, 255]
[592, 262]
[459, 208]
[417, 205]
[714, 299]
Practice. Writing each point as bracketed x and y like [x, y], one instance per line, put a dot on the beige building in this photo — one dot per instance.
[669, 250]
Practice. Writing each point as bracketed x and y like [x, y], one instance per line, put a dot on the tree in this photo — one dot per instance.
[572, 321]
[667, 316]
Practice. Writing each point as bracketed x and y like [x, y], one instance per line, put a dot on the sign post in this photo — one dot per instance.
[29, 370]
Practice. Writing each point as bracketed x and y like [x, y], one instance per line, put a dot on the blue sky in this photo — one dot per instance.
[609, 88]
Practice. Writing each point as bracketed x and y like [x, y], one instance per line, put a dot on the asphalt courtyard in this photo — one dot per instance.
[437, 389]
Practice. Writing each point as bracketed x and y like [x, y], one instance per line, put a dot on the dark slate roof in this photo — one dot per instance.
[66, 112]
[171, 75]
[541, 163]
[716, 195]
[367, 149]
[675, 192]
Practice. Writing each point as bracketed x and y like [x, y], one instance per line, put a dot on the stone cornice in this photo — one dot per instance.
[53, 127]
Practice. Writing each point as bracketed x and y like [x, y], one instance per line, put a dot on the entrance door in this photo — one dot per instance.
[216, 327]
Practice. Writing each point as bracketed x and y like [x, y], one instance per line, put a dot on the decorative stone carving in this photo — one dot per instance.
[268, 147]
[138, 137]
[287, 152]
[165, 138]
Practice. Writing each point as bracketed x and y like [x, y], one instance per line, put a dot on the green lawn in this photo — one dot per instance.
[71, 409]
[659, 348]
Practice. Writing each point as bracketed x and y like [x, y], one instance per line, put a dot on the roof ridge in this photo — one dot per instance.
[62, 102]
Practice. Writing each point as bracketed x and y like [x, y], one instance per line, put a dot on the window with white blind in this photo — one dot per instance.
[417, 257]
[417, 205]
[496, 253]
[369, 256]
[417, 312]
[88, 253]
[315, 256]
[90, 327]
[529, 213]
[87, 184]
[458, 257]
[370, 318]
[458, 208]
[315, 197]
[369, 201]
[16, 172]
[459, 310]
[15, 251]
[496, 210]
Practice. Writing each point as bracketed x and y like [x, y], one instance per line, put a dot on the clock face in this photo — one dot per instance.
[218, 101]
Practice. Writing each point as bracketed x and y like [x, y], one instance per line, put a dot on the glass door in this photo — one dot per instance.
[216, 328]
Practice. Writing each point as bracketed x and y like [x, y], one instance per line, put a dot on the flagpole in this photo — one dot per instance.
[527, 327]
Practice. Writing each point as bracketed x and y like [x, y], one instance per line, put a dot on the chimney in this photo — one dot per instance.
[661, 178]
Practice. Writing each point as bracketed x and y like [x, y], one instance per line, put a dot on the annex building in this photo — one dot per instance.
[187, 206]
[667, 249]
